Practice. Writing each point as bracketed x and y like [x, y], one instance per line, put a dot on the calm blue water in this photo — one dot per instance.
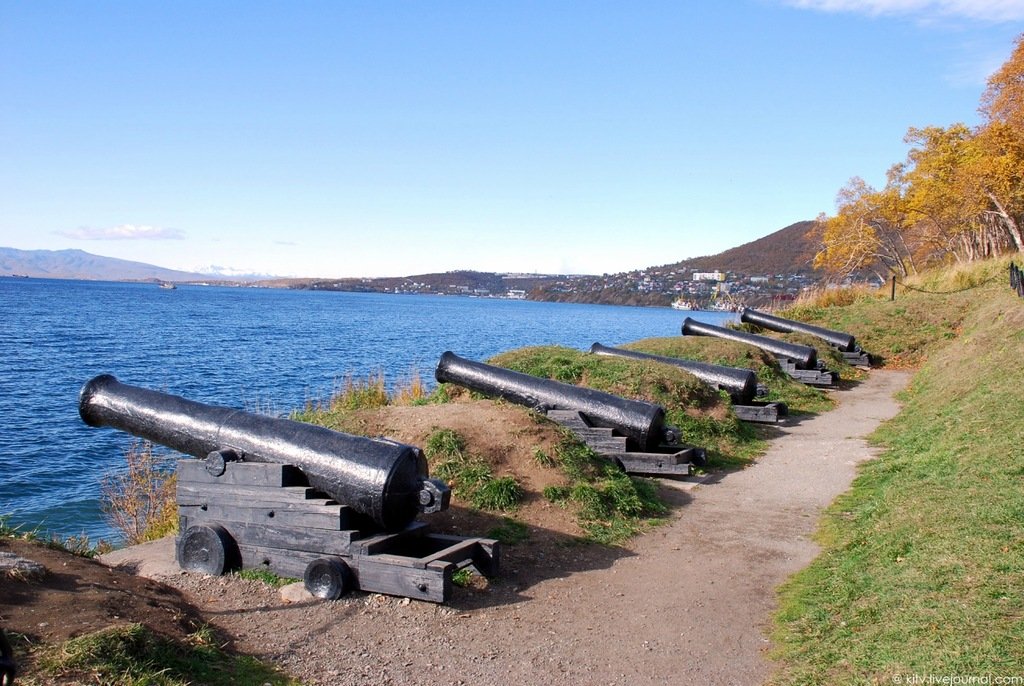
[258, 349]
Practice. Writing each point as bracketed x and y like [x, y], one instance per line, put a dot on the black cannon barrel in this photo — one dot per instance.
[642, 423]
[804, 356]
[383, 480]
[843, 341]
[740, 384]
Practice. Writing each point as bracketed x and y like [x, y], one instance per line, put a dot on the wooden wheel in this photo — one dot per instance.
[328, 578]
[207, 549]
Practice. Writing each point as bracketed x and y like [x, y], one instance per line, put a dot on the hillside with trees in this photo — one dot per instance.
[957, 197]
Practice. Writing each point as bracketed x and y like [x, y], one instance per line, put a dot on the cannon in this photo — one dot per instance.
[644, 444]
[642, 423]
[843, 342]
[803, 356]
[383, 480]
[740, 384]
[295, 499]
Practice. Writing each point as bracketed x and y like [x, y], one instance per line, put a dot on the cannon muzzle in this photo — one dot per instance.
[642, 423]
[740, 384]
[804, 356]
[381, 479]
[844, 342]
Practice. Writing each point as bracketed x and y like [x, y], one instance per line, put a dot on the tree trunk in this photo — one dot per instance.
[1009, 223]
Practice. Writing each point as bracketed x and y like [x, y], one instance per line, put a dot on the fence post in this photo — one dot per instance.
[892, 293]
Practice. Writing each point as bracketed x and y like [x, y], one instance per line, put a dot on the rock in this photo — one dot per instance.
[296, 593]
[15, 567]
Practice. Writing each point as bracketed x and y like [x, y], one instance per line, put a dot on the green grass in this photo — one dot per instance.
[133, 655]
[610, 505]
[470, 476]
[923, 559]
[510, 532]
[265, 576]
[81, 545]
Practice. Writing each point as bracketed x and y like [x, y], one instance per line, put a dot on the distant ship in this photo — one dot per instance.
[680, 304]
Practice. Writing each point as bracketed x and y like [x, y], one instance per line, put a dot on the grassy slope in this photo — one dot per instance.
[923, 559]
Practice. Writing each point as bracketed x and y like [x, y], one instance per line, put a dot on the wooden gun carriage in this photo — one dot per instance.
[295, 499]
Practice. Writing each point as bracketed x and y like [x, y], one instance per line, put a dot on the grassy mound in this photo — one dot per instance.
[923, 558]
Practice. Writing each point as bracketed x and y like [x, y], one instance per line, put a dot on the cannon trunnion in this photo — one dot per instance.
[299, 500]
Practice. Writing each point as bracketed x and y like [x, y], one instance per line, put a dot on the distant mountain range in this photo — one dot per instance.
[787, 251]
[78, 264]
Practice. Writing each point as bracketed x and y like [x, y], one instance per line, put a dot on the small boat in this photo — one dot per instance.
[680, 304]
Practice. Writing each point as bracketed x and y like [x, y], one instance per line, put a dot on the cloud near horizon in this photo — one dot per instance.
[982, 10]
[124, 232]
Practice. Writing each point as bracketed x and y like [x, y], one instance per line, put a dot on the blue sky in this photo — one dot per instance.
[376, 138]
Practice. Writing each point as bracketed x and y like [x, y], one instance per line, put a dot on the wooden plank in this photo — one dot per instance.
[814, 377]
[388, 542]
[243, 474]
[462, 550]
[285, 563]
[310, 514]
[764, 413]
[190, 493]
[379, 576]
[652, 464]
[858, 359]
[603, 442]
[372, 575]
[319, 541]
[678, 457]
[568, 418]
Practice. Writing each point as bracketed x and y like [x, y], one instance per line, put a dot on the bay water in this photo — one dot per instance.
[263, 350]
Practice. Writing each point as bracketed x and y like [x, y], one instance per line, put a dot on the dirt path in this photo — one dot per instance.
[687, 603]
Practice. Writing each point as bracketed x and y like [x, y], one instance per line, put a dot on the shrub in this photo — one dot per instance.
[140, 503]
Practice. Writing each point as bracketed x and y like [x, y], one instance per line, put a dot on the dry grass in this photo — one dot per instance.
[140, 503]
[411, 392]
[820, 297]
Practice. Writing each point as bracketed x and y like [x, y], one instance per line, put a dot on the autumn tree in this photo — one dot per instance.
[943, 193]
[868, 232]
[958, 195]
[1001, 166]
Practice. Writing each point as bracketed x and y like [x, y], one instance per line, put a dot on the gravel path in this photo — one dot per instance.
[688, 603]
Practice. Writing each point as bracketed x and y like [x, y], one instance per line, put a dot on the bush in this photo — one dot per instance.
[140, 503]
